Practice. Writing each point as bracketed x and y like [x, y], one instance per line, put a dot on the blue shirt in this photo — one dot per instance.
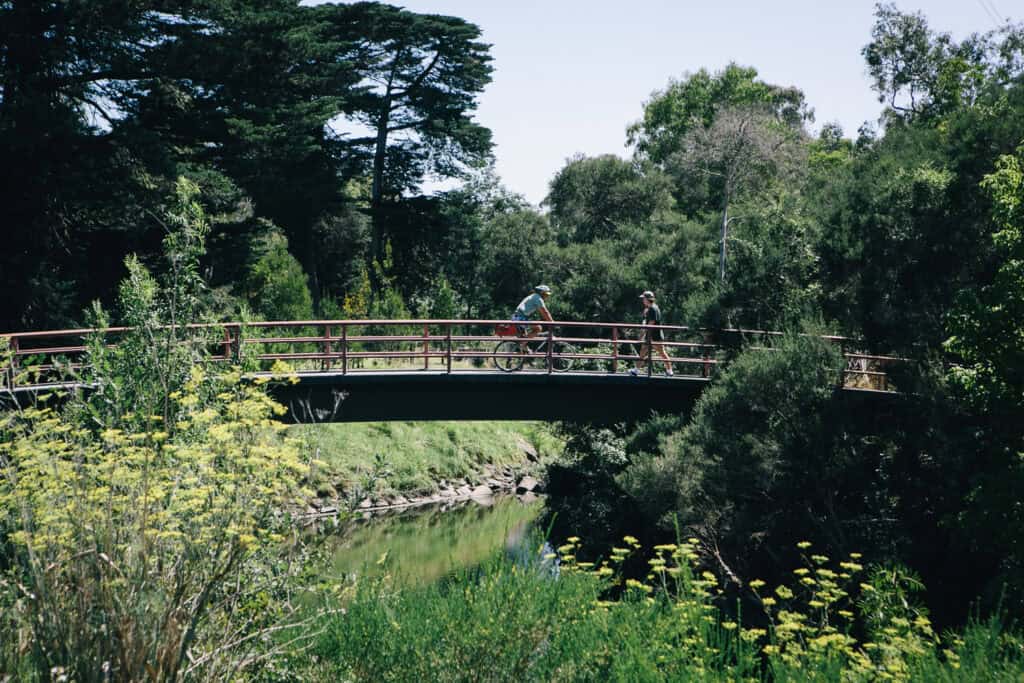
[530, 305]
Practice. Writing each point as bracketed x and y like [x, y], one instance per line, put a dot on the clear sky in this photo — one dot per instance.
[570, 75]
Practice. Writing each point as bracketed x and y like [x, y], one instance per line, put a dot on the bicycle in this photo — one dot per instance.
[510, 355]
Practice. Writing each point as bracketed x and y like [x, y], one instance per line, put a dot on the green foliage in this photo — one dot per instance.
[988, 334]
[143, 528]
[761, 432]
[695, 100]
[595, 198]
[668, 626]
[126, 542]
[922, 74]
[276, 285]
[152, 359]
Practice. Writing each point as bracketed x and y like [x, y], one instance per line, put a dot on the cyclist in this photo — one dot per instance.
[534, 303]
[653, 335]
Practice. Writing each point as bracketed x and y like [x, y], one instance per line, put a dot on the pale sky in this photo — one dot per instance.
[570, 75]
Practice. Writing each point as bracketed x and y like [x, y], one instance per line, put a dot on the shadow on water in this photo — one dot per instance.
[427, 544]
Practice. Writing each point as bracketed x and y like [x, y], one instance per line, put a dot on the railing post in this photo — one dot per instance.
[426, 347]
[344, 349]
[615, 350]
[448, 344]
[327, 347]
[233, 338]
[650, 353]
[706, 367]
[551, 348]
[227, 343]
[13, 367]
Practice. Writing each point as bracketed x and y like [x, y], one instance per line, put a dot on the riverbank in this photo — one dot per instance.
[379, 465]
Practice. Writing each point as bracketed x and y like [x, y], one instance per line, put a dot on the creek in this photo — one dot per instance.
[420, 545]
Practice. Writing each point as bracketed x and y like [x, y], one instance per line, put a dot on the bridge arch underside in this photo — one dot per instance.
[376, 397]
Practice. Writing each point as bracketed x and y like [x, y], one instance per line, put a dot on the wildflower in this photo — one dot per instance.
[573, 539]
[803, 545]
[756, 583]
[768, 601]
[752, 634]
[820, 559]
[729, 625]
[784, 592]
[855, 556]
[845, 613]
[801, 571]
[631, 541]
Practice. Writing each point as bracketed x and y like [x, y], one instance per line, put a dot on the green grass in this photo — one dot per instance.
[385, 458]
[503, 621]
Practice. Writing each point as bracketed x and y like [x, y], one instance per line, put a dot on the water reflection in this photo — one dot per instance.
[426, 544]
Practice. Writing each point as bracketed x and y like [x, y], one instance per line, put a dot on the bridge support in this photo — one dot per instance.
[369, 397]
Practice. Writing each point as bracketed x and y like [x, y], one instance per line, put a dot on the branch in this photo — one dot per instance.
[262, 632]
[111, 75]
[419, 79]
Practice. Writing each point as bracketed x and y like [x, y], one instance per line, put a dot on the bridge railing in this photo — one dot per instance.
[448, 346]
[348, 346]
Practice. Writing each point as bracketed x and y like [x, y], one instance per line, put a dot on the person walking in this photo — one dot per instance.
[653, 335]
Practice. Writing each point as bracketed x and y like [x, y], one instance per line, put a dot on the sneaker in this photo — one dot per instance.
[632, 371]
[668, 372]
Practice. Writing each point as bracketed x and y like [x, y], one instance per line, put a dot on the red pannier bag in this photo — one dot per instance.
[505, 330]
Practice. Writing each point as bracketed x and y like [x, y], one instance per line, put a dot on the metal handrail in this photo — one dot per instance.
[342, 345]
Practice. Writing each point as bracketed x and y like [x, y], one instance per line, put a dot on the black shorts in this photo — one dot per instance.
[655, 335]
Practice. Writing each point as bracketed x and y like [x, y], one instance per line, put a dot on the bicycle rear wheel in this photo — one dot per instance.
[503, 358]
[559, 360]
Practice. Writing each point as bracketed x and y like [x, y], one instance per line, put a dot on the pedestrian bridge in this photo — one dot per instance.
[404, 370]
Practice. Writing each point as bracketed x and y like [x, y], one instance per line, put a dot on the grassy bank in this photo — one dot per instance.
[506, 621]
[388, 458]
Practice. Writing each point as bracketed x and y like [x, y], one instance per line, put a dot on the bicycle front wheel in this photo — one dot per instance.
[561, 356]
[504, 358]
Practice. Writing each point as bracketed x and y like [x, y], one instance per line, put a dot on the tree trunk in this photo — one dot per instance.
[377, 191]
[725, 236]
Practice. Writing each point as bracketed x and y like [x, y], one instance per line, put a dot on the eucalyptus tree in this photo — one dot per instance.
[742, 150]
[920, 72]
[695, 100]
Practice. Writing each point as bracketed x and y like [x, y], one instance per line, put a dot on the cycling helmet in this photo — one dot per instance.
[542, 289]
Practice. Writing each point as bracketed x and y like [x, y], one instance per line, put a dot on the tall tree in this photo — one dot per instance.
[423, 73]
[592, 198]
[694, 102]
[742, 149]
[71, 71]
[918, 72]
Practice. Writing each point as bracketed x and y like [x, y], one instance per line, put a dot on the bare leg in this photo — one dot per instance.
[665, 357]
